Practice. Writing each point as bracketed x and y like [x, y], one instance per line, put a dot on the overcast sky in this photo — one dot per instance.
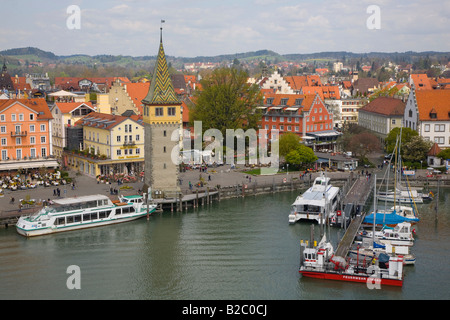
[210, 27]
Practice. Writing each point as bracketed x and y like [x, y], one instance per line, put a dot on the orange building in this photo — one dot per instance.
[25, 130]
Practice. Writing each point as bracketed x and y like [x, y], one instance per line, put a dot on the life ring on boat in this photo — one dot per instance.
[333, 219]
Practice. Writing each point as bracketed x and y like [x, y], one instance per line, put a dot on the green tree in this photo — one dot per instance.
[288, 141]
[301, 155]
[444, 154]
[227, 101]
[415, 149]
[391, 139]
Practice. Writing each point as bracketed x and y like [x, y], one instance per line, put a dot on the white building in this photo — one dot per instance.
[428, 112]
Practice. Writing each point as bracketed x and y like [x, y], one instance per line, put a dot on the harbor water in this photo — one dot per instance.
[236, 249]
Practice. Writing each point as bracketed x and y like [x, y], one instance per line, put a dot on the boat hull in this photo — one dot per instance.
[359, 278]
[54, 229]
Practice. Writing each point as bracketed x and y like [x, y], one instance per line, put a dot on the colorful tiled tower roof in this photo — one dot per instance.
[161, 89]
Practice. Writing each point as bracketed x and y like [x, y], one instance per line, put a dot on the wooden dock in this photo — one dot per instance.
[349, 236]
[184, 201]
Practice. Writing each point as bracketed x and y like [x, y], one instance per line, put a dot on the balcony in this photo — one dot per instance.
[18, 133]
[129, 143]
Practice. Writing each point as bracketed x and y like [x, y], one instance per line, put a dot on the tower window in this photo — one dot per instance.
[159, 112]
[171, 111]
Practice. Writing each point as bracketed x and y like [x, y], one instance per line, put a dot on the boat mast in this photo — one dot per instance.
[374, 210]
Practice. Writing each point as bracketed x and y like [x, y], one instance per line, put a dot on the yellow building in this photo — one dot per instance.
[123, 98]
[112, 145]
[382, 115]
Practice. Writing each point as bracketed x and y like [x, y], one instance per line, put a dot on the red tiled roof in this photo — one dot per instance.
[306, 104]
[386, 106]
[433, 100]
[20, 83]
[434, 150]
[421, 82]
[67, 107]
[297, 82]
[108, 119]
[137, 92]
[39, 105]
[72, 82]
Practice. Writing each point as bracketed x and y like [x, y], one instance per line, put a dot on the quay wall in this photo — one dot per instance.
[10, 217]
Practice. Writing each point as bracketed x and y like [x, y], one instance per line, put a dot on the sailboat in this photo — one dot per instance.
[402, 194]
[398, 213]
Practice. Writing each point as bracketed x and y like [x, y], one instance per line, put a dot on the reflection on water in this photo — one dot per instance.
[234, 249]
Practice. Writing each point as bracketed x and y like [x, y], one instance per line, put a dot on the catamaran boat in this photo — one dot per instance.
[82, 212]
[311, 205]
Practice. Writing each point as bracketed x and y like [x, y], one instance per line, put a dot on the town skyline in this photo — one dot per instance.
[213, 28]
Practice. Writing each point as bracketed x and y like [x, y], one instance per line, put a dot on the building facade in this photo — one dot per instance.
[124, 97]
[428, 112]
[382, 115]
[305, 115]
[65, 115]
[111, 145]
[25, 134]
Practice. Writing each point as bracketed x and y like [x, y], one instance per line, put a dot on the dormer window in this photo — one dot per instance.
[298, 102]
[284, 101]
[269, 100]
[433, 115]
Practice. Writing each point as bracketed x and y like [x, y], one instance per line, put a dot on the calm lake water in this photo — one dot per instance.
[238, 249]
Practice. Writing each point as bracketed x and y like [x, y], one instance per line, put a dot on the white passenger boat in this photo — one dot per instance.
[311, 205]
[82, 212]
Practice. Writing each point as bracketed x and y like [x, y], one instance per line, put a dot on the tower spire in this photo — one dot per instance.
[161, 89]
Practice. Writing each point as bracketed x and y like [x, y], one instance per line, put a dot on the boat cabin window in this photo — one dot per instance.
[94, 215]
[86, 217]
[77, 218]
[104, 214]
[128, 210]
[310, 256]
[118, 211]
[69, 219]
[60, 221]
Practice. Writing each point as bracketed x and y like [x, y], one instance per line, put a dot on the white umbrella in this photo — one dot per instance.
[62, 93]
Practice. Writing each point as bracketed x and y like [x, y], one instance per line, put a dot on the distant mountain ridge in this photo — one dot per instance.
[260, 53]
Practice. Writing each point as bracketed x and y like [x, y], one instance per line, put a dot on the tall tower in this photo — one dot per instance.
[162, 116]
